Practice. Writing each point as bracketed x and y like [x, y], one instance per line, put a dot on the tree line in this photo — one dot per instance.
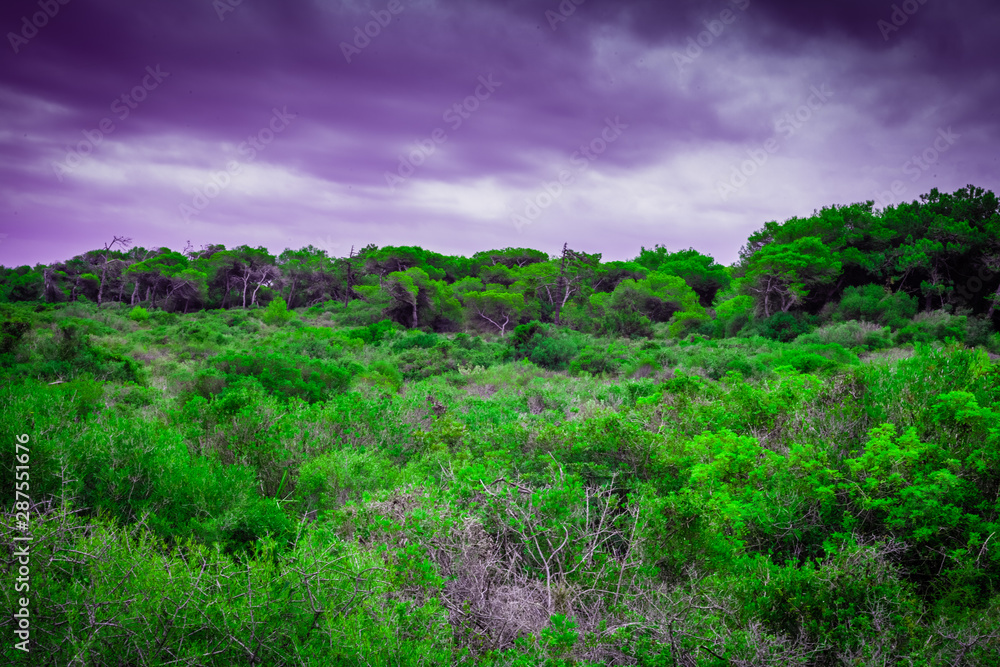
[941, 252]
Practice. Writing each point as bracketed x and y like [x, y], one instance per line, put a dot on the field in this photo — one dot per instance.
[650, 472]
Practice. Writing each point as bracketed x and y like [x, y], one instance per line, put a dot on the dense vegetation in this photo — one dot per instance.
[405, 458]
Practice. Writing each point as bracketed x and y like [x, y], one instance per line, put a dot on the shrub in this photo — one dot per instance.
[374, 333]
[277, 313]
[850, 334]
[138, 314]
[554, 353]
[783, 327]
[933, 326]
[874, 303]
[599, 360]
[11, 333]
[733, 315]
[284, 375]
[627, 323]
[385, 375]
[424, 341]
[521, 337]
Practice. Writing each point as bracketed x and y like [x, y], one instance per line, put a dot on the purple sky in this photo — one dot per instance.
[680, 123]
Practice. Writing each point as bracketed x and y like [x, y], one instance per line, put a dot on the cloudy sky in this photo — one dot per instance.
[468, 125]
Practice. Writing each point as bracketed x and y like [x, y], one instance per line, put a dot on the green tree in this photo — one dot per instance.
[497, 308]
[699, 271]
[779, 276]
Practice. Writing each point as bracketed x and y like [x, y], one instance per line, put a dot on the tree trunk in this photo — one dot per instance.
[100, 290]
[135, 291]
[246, 285]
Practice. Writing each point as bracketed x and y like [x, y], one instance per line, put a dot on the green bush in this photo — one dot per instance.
[277, 313]
[544, 345]
[601, 359]
[423, 341]
[374, 333]
[138, 314]
[554, 353]
[875, 303]
[286, 375]
[931, 327]
[783, 327]
[629, 324]
[850, 335]
[11, 333]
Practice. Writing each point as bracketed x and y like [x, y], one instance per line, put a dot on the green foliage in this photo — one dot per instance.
[780, 276]
[700, 272]
[850, 335]
[644, 482]
[873, 303]
[277, 313]
[423, 341]
[783, 327]
[285, 375]
[733, 315]
[600, 359]
[931, 327]
[11, 333]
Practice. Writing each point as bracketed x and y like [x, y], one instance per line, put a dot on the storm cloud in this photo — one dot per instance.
[463, 126]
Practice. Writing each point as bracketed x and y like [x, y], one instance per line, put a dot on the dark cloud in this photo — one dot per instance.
[701, 86]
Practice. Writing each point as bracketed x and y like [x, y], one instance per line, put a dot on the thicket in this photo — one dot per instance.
[648, 468]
